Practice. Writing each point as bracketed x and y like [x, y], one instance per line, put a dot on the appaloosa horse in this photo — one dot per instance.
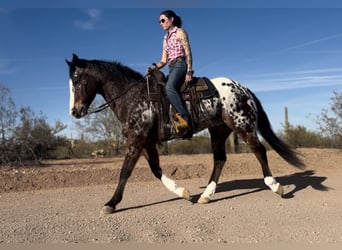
[235, 108]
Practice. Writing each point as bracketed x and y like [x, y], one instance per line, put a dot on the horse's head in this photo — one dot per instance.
[82, 87]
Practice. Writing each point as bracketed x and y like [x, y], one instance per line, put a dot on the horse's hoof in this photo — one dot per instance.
[203, 200]
[107, 210]
[186, 194]
[280, 190]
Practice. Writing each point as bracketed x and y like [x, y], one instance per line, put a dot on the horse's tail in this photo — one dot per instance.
[265, 129]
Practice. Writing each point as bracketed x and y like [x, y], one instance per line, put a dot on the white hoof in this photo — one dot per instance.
[208, 193]
[274, 185]
[203, 200]
[107, 210]
[280, 190]
[185, 194]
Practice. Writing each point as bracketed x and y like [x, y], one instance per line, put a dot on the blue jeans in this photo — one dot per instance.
[176, 78]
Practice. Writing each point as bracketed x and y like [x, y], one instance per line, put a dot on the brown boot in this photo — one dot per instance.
[181, 126]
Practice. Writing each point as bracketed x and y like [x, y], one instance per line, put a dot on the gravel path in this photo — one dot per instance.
[243, 211]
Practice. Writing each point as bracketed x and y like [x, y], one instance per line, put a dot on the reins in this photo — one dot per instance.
[107, 104]
[101, 107]
[147, 77]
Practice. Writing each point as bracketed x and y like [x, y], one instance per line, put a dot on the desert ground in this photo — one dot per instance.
[60, 202]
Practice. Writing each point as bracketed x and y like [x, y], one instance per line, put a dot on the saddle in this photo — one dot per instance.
[202, 86]
[192, 93]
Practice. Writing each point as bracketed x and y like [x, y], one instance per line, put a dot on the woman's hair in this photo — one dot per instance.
[177, 21]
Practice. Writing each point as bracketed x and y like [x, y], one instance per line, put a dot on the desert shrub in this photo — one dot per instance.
[197, 145]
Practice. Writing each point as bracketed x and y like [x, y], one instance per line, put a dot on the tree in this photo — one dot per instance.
[103, 126]
[299, 136]
[8, 115]
[23, 135]
[330, 120]
[35, 136]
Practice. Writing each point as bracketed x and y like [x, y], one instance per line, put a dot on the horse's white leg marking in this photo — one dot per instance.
[274, 185]
[173, 187]
[72, 98]
[208, 193]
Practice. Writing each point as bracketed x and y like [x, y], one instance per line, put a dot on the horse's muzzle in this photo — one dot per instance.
[79, 113]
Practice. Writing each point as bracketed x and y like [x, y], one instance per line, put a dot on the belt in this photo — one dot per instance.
[178, 59]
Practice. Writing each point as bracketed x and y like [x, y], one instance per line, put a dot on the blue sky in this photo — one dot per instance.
[287, 56]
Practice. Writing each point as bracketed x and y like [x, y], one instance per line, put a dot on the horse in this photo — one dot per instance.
[126, 92]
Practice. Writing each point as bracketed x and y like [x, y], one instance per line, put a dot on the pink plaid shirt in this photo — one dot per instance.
[173, 46]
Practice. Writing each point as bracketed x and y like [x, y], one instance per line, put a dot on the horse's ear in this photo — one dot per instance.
[68, 62]
[76, 61]
[75, 58]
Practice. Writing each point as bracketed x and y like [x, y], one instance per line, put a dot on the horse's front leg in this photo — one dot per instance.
[218, 136]
[153, 160]
[209, 192]
[131, 159]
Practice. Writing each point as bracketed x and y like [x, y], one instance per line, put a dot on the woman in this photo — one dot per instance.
[177, 54]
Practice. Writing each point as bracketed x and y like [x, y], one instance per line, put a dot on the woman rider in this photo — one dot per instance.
[177, 54]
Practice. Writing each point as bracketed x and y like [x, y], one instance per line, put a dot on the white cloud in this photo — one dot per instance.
[308, 43]
[5, 68]
[94, 13]
[302, 72]
[297, 48]
[90, 23]
[296, 79]
[4, 11]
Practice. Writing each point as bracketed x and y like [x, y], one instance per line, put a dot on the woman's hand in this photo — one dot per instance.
[149, 70]
[188, 78]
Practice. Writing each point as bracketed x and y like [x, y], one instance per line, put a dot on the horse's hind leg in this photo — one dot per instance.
[260, 152]
[153, 160]
[218, 136]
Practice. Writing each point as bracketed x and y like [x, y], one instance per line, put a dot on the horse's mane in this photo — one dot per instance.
[118, 69]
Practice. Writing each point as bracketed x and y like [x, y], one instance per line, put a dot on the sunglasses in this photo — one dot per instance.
[162, 21]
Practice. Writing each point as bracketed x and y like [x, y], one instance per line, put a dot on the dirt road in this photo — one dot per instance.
[243, 210]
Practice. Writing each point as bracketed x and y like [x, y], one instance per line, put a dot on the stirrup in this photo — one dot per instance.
[181, 126]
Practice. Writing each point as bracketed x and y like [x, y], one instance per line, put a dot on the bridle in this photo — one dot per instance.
[106, 105]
